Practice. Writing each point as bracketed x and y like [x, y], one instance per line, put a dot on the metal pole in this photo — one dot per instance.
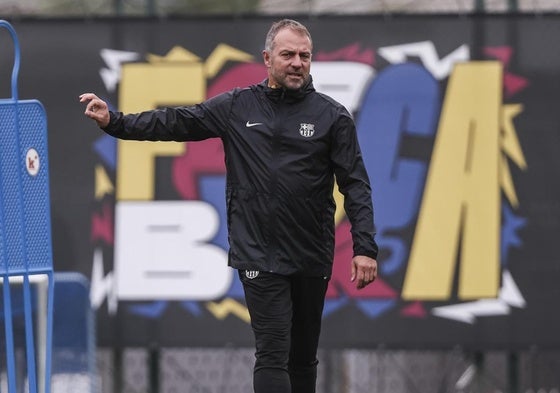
[150, 7]
[479, 367]
[118, 7]
[513, 374]
[153, 359]
[479, 6]
[513, 5]
[118, 370]
[329, 370]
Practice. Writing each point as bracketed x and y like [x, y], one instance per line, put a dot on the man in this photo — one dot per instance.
[284, 144]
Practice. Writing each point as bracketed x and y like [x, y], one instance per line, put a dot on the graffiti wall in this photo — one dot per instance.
[459, 126]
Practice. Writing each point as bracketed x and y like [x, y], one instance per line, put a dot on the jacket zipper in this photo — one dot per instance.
[272, 251]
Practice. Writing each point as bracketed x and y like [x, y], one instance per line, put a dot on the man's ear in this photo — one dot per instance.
[266, 58]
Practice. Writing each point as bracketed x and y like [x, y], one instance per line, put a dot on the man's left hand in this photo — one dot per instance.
[364, 270]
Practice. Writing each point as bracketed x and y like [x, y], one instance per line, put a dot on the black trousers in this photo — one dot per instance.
[286, 316]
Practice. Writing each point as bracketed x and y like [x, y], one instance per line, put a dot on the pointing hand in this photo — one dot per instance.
[96, 109]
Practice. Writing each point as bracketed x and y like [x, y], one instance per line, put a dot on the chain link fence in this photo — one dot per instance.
[191, 370]
[163, 8]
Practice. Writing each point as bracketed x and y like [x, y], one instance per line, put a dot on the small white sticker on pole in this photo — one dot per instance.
[32, 162]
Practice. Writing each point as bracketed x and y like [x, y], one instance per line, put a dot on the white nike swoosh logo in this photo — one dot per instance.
[248, 124]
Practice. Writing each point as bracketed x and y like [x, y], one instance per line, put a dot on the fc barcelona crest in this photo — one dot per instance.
[306, 129]
[251, 274]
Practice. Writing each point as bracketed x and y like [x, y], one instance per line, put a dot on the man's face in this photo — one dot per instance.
[289, 61]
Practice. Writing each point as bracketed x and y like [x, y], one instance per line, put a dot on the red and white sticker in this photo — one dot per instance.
[32, 162]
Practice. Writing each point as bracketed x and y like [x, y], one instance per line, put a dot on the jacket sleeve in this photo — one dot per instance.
[353, 183]
[188, 123]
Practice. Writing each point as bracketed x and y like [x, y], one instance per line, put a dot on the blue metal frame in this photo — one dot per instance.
[30, 221]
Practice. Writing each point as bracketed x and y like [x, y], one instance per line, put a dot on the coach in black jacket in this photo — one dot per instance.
[284, 144]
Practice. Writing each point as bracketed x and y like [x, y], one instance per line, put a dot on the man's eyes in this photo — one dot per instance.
[287, 55]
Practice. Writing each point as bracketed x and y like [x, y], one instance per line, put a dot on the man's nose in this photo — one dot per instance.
[296, 61]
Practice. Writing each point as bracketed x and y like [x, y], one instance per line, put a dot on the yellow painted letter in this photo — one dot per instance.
[145, 86]
[459, 220]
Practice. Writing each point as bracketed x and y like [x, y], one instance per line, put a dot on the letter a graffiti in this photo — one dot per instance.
[459, 219]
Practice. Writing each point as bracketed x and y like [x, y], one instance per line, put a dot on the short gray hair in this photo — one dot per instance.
[284, 24]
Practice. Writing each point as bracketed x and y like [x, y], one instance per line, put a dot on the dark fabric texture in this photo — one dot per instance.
[283, 150]
[286, 314]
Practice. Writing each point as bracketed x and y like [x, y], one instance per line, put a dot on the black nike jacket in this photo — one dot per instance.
[283, 149]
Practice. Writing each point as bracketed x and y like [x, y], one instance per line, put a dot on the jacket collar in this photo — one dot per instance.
[287, 95]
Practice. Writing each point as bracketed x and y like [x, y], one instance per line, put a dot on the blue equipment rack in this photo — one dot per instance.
[25, 222]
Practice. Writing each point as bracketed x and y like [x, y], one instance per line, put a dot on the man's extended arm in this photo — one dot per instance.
[187, 123]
